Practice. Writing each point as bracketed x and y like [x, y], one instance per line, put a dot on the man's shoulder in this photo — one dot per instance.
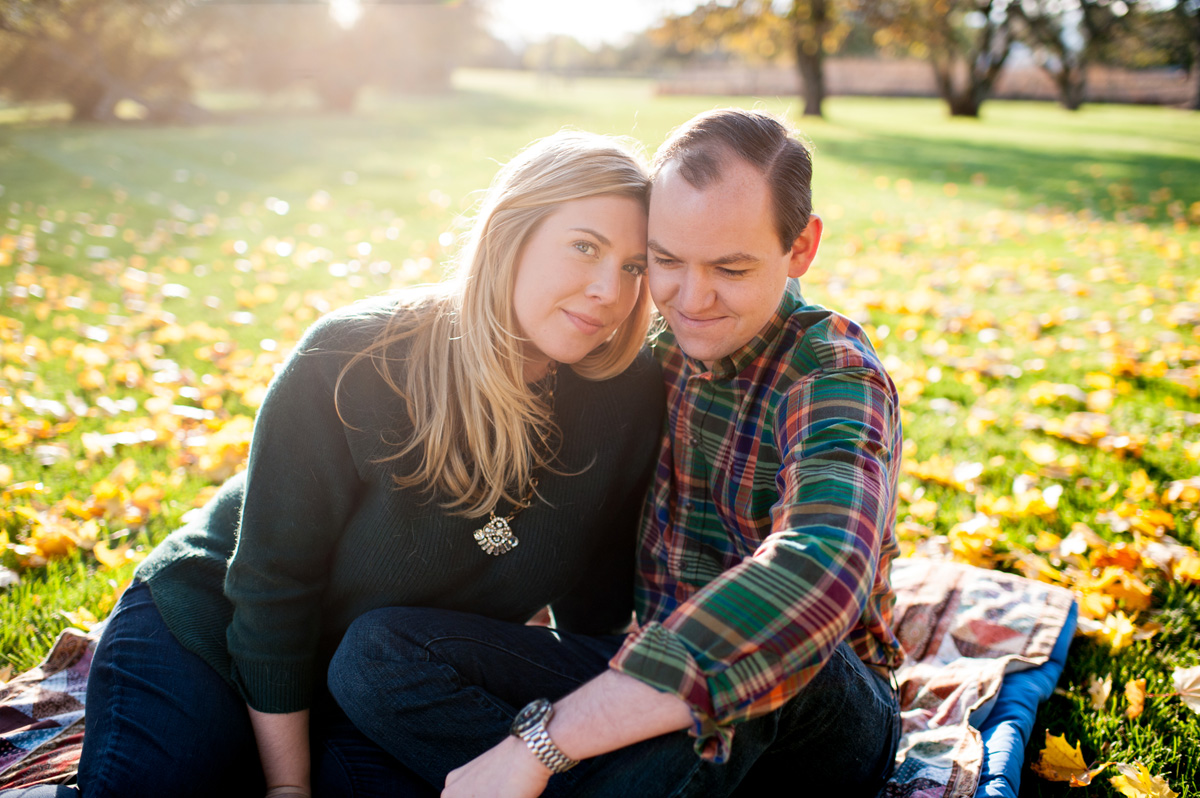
[816, 340]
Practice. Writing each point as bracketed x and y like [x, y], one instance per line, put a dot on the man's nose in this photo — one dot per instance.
[695, 292]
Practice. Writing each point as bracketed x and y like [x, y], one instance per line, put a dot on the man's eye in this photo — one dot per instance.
[586, 247]
[636, 269]
[665, 262]
[732, 272]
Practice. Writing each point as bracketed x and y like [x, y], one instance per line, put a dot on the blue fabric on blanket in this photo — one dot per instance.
[1007, 728]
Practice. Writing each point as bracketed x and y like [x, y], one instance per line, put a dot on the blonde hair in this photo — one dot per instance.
[480, 431]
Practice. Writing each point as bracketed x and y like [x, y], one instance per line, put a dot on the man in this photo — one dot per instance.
[763, 601]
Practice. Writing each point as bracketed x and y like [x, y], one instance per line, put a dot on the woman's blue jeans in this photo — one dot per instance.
[161, 722]
[436, 688]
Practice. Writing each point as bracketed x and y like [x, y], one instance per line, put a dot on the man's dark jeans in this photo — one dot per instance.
[436, 688]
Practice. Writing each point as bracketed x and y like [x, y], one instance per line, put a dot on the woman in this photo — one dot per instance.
[424, 450]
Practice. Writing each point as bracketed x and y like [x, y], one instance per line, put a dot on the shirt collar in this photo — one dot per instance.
[738, 361]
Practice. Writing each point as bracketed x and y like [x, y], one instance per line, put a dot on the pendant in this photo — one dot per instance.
[497, 537]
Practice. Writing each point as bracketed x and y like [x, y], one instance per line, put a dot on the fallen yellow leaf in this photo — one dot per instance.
[1135, 781]
[1187, 685]
[1188, 569]
[1040, 453]
[1099, 691]
[1058, 761]
[81, 618]
[1184, 491]
[53, 538]
[1135, 694]
[115, 558]
[923, 509]
[1140, 486]
[1121, 555]
[1117, 630]
[1094, 604]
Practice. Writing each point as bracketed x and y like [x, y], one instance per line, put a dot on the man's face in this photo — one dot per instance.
[717, 268]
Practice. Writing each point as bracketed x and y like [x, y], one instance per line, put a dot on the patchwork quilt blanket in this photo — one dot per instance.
[964, 629]
[41, 714]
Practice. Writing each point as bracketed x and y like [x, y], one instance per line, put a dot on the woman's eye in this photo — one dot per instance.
[586, 247]
[636, 269]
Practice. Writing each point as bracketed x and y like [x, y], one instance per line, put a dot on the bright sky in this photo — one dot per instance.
[590, 21]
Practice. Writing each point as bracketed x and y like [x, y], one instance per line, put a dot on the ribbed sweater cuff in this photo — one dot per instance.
[275, 687]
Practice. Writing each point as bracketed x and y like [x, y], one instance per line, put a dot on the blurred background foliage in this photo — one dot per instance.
[148, 59]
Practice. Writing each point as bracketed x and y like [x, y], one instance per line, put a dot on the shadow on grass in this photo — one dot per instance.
[1105, 182]
[267, 149]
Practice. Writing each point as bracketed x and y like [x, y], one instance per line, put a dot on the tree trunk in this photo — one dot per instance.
[963, 104]
[1196, 69]
[112, 89]
[810, 23]
[337, 96]
[91, 101]
[1071, 86]
[812, 76]
[961, 101]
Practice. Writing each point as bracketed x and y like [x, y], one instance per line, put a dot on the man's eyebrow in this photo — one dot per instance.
[725, 260]
[732, 259]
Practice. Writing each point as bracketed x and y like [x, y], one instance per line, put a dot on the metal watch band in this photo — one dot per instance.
[549, 754]
[530, 726]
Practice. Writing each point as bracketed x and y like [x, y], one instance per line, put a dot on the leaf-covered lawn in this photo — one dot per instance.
[1032, 279]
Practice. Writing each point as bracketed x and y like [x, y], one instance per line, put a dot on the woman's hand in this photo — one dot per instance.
[509, 770]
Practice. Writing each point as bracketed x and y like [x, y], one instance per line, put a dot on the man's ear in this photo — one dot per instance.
[804, 248]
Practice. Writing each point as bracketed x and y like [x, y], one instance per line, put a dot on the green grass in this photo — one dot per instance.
[985, 256]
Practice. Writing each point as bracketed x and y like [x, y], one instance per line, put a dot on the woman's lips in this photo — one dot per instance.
[588, 325]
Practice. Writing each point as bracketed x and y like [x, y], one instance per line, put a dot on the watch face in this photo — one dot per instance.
[530, 716]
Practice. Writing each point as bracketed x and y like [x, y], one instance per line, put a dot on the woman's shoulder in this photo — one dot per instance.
[356, 326]
[640, 385]
[644, 372]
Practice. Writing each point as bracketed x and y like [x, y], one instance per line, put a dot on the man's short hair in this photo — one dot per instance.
[703, 145]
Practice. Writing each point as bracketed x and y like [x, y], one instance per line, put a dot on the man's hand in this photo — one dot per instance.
[609, 712]
[509, 770]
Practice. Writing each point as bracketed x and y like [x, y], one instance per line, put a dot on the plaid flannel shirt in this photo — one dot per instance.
[769, 534]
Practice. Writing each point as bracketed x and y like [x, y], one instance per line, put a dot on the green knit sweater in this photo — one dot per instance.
[325, 535]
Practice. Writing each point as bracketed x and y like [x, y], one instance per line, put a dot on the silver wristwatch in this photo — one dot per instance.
[530, 726]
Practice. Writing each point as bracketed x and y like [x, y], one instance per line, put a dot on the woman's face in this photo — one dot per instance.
[578, 277]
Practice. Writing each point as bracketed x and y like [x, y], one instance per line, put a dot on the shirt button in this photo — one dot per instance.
[694, 440]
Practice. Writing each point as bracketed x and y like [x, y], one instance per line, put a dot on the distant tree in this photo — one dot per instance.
[762, 30]
[1066, 36]
[561, 54]
[965, 41]
[93, 54]
[1157, 35]
[1187, 12]
[406, 47]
